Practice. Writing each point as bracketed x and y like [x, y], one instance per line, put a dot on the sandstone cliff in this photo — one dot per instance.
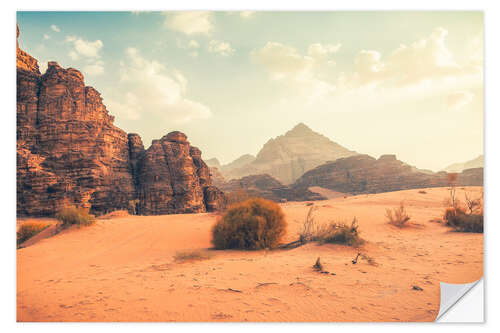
[289, 156]
[365, 174]
[69, 152]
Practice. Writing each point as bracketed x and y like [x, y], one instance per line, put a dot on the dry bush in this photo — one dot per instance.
[28, 230]
[397, 216]
[333, 232]
[459, 220]
[467, 217]
[252, 224]
[339, 233]
[422, 192]
[192, 255]
[75, 216]
[309, 228]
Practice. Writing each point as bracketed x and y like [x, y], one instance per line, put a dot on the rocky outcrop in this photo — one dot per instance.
[365, 174]
[216, 176]
[471, 177]
[172, 178]
[267, 187]
[478, 162]
[69, 152]
[289, 156]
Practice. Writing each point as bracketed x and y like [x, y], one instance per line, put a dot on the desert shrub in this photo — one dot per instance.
[72, 215]
[422, 192]
[192, 255]
[467, 217]
[333, 232]
[309, 227]
[28, 230]
[460, 221]
[252, 224]
[397, 216]
[339, 233]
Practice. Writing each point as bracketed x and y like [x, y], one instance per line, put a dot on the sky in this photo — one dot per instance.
[406, 83]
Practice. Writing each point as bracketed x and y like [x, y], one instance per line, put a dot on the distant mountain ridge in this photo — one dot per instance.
[365, 174]
[288, 156]
[477, 162]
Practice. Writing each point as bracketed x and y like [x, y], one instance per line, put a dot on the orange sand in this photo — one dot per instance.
[123, 269]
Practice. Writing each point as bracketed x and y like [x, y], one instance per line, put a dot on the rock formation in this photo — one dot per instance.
[172, 178]
[289, 156]
[213, 162]
[478, 162]
[265, 186]
[365, 174]
[69, 152]
[217, 177]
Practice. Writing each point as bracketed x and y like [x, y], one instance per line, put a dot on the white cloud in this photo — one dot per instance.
[246, 14]
[427, 59]
[220, 47]
[457, 100]
[84, 48]
[190, 22]
[322, 51]
[282, 60]
[94, 69]
[45, 36]
[424, 69]
[128, 107]
[149, 86]
[55, 28]
[296, 71]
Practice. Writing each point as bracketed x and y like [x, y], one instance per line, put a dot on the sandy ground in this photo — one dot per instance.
[123, 269]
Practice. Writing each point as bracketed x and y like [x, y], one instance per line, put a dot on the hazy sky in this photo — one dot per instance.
[404, 83]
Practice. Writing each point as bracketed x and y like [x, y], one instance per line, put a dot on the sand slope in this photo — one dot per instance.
[123, 269]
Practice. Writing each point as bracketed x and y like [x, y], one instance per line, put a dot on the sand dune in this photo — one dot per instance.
[123, 269]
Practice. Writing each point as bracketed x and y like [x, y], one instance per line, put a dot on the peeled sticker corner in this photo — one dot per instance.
[452, 295]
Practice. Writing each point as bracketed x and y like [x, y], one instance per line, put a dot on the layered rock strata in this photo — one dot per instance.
[69, 152]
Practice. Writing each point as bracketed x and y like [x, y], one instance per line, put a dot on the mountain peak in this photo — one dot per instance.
[300, 129]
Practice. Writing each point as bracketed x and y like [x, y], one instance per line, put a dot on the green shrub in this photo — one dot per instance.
[399, 218]
[72, 215]
[339, 233]
[253, 224]
[28, 230]
[460, 221]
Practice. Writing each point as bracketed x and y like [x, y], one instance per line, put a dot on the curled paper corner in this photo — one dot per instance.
[452, 297]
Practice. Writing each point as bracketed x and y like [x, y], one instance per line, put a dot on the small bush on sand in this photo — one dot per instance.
[252, 224]
[333, 232]
[28, 230]
[397, 216]
[309, 227]
[72, 215]
[459, 220]
[339, 233]
[192, 255]
[466, 217]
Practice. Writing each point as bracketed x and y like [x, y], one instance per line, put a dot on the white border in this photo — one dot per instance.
[8, 173]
